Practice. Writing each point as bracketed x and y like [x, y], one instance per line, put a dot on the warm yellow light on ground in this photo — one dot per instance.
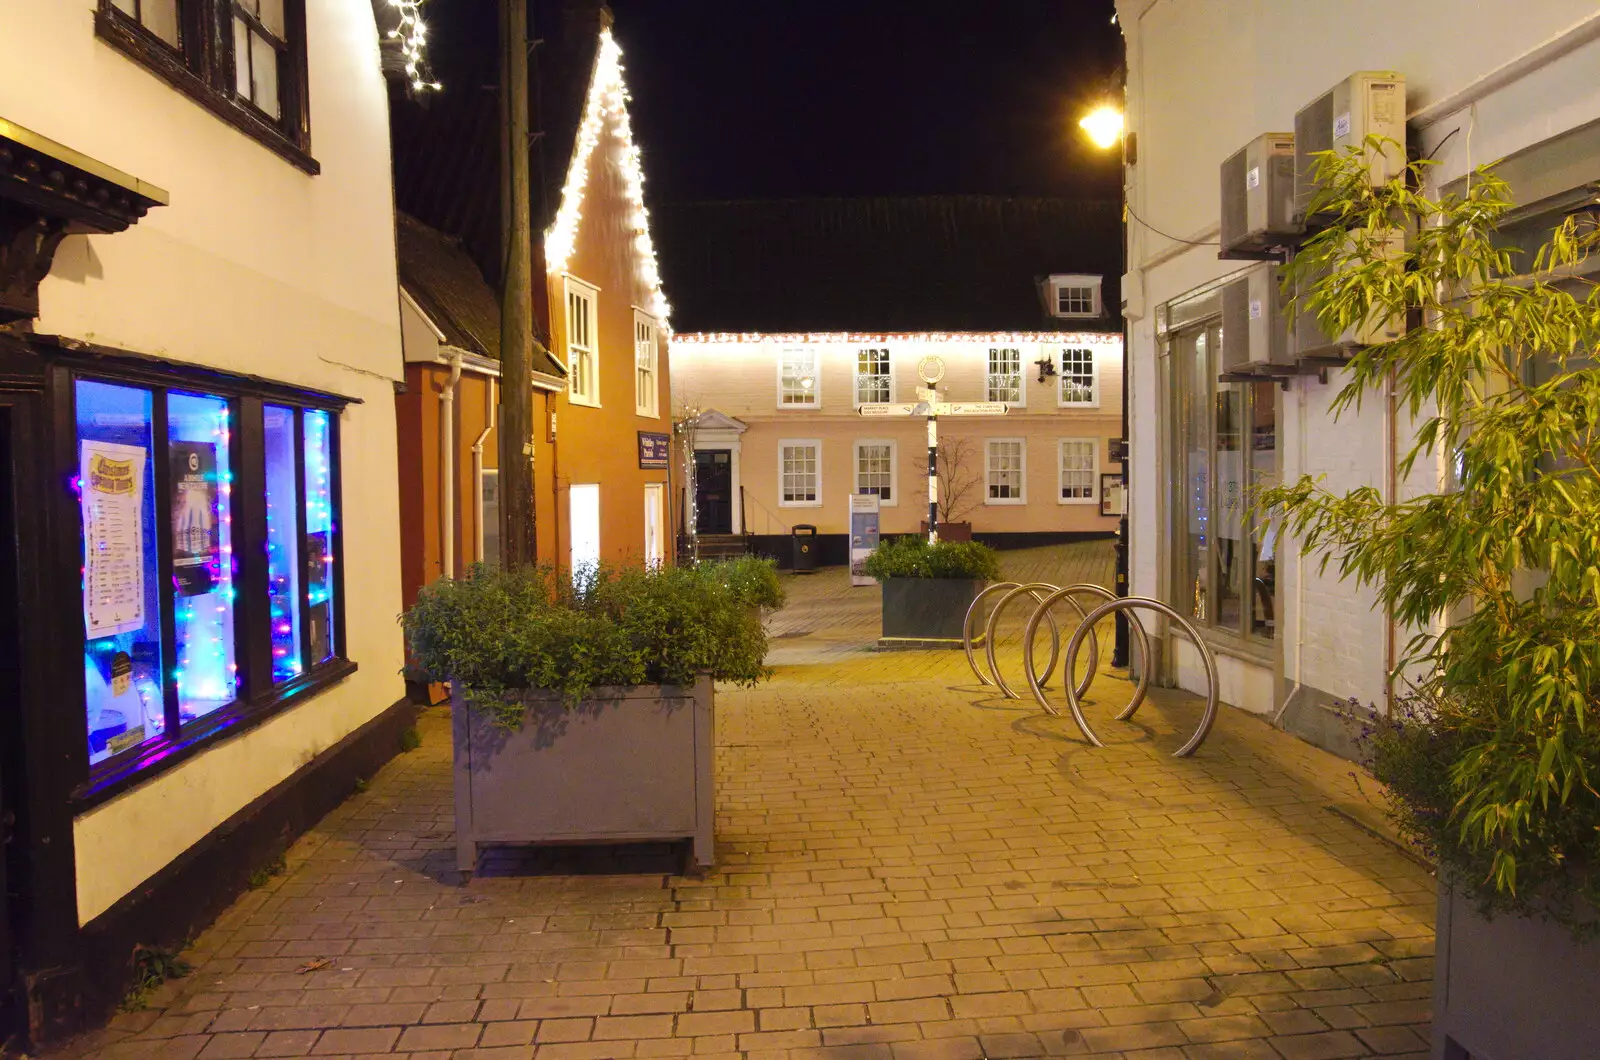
[1103, 124]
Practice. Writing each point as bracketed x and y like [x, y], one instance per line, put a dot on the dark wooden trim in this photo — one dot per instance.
[161, 498]
[252, 611]
[193, 889]
[155, 55]
[154, 757]
[302, 595]
[126, 366]
[295, 92]
[336, 488]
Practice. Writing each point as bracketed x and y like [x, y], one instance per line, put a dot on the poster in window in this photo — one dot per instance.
[111, 477]
[318, 549]
[196, 535]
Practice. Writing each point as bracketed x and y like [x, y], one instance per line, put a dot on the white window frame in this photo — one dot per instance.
[1094, 469]
[655, 512]
[1076, 282]
[1093, 401]
[815, 393]
[894, 469]
[989, 376]
[583, 359]
[988, 470]
[646, 361]
[785, 444]
[858, 376]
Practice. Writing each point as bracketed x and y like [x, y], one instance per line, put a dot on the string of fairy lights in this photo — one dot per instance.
[412, 35]
[607, 107]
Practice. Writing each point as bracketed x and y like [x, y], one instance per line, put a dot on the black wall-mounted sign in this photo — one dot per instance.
[654, 450]
[1118, 450]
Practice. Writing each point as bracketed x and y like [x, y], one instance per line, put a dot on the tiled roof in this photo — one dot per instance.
[930, 263]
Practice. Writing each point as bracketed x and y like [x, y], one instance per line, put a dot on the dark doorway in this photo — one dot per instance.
[10, 700]
[713, 491]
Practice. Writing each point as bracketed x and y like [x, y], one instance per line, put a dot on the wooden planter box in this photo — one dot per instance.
[1512, 987]
[626, 764]
[949, 531]
[925, 612]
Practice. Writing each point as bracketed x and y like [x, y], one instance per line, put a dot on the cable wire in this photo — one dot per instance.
[1166, 235]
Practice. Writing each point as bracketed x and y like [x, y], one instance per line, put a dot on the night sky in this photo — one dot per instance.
[776, 98]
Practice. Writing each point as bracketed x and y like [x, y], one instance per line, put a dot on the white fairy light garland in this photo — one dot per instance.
[412, 35]
[608, 99]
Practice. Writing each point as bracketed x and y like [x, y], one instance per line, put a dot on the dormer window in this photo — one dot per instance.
[1075, 296]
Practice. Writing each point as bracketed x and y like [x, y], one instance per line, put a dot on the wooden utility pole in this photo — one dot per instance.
[516, 293]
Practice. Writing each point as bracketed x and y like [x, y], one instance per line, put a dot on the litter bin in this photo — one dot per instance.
[805, 548]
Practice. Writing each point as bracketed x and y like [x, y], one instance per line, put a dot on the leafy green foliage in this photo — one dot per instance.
[1500, 572]
[913, 557]
[410, 740]
[266, 873]
[152, 966]
[497, 633]
[752, 580]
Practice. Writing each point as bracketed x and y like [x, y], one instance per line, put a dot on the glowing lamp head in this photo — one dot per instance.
[1103, 125]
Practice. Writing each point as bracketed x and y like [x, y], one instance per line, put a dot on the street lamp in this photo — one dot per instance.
[1104, 126]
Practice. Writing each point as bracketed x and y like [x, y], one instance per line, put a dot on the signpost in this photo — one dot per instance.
[930, 370]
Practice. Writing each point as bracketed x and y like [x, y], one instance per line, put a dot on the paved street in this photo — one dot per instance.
[909, 868]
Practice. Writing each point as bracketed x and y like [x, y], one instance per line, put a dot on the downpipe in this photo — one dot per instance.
[447, 470]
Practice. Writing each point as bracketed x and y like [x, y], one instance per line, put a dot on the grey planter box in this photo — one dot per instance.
[626, 764]
[927, 608]
[1511, 988]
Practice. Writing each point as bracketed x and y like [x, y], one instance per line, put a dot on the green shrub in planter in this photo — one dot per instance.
[753, 580]
[1497, 764]
[913, 557]
[497, 632]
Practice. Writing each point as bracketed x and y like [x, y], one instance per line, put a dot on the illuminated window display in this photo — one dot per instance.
[201, 606]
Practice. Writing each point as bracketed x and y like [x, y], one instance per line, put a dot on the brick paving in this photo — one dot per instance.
[908, 869]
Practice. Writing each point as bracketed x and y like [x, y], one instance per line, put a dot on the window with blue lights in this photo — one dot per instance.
[203, 606]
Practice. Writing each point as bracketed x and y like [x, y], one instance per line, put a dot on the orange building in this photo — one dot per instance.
[601, 405]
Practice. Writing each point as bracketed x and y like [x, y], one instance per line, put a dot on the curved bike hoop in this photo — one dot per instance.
[1068, 592]
[967, 643]
[1129, 603]
[1033, 589]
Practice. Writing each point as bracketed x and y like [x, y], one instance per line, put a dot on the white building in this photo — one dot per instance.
[197, 460]
[1204, 79]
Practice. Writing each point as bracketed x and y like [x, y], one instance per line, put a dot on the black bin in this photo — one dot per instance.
[805, 548]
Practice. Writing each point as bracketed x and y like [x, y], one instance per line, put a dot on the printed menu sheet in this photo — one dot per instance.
[112, 479]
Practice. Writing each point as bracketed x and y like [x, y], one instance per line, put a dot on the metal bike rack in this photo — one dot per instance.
[1034, 589]
[967, 642]
[1129, 603]
[1043, 611]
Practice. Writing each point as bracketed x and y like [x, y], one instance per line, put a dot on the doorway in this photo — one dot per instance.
[585, 536]
[654, 519]
[713, 491]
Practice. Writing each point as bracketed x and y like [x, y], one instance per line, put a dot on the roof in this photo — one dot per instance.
[441, 276]
[929, 263]
[447, 144]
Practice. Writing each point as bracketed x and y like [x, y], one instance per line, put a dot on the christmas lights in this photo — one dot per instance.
[850, 338]
[412, 36]
[606, 106]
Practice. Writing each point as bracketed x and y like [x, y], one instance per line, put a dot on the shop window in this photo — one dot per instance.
[168, 547]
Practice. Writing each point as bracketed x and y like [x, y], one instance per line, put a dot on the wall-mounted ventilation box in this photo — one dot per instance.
[1369, 103]
[1255, 331]
[1310, 338]
[1258, 192]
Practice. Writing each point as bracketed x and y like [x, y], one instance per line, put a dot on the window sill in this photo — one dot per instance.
[1077, 501]
[574, 399]
[1001, 502]
[799, 504]
[110, 779]
[814, 406]
[1091, 405]
[1250, 650]
[146, 50]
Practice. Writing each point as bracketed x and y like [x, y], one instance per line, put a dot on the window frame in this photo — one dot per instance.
[1093, 470]
[815, 392]
[792, 443]
[646, 399]
[1093, 401]
[888, 374]
[989, 375]
[571, 288]
[1022, 471]
[258, 697]
[1061, 284]
[202, 68]
[893, 500]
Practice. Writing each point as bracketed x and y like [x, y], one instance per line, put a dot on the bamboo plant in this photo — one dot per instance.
[1492, 761]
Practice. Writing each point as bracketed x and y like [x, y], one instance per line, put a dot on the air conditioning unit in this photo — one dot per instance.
[1258, 197]
[1309, 338]
[1370, 103]
[1255, 330]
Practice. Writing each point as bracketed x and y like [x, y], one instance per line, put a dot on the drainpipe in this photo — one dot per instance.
[1391, 491]
[1299, 575]
[477, 465]
[447, 469]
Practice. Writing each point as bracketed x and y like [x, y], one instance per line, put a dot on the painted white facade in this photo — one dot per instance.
[1204, 78]
[741, 377]
[256, 267]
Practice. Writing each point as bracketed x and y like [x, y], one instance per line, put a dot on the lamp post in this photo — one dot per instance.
[1104, 126]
